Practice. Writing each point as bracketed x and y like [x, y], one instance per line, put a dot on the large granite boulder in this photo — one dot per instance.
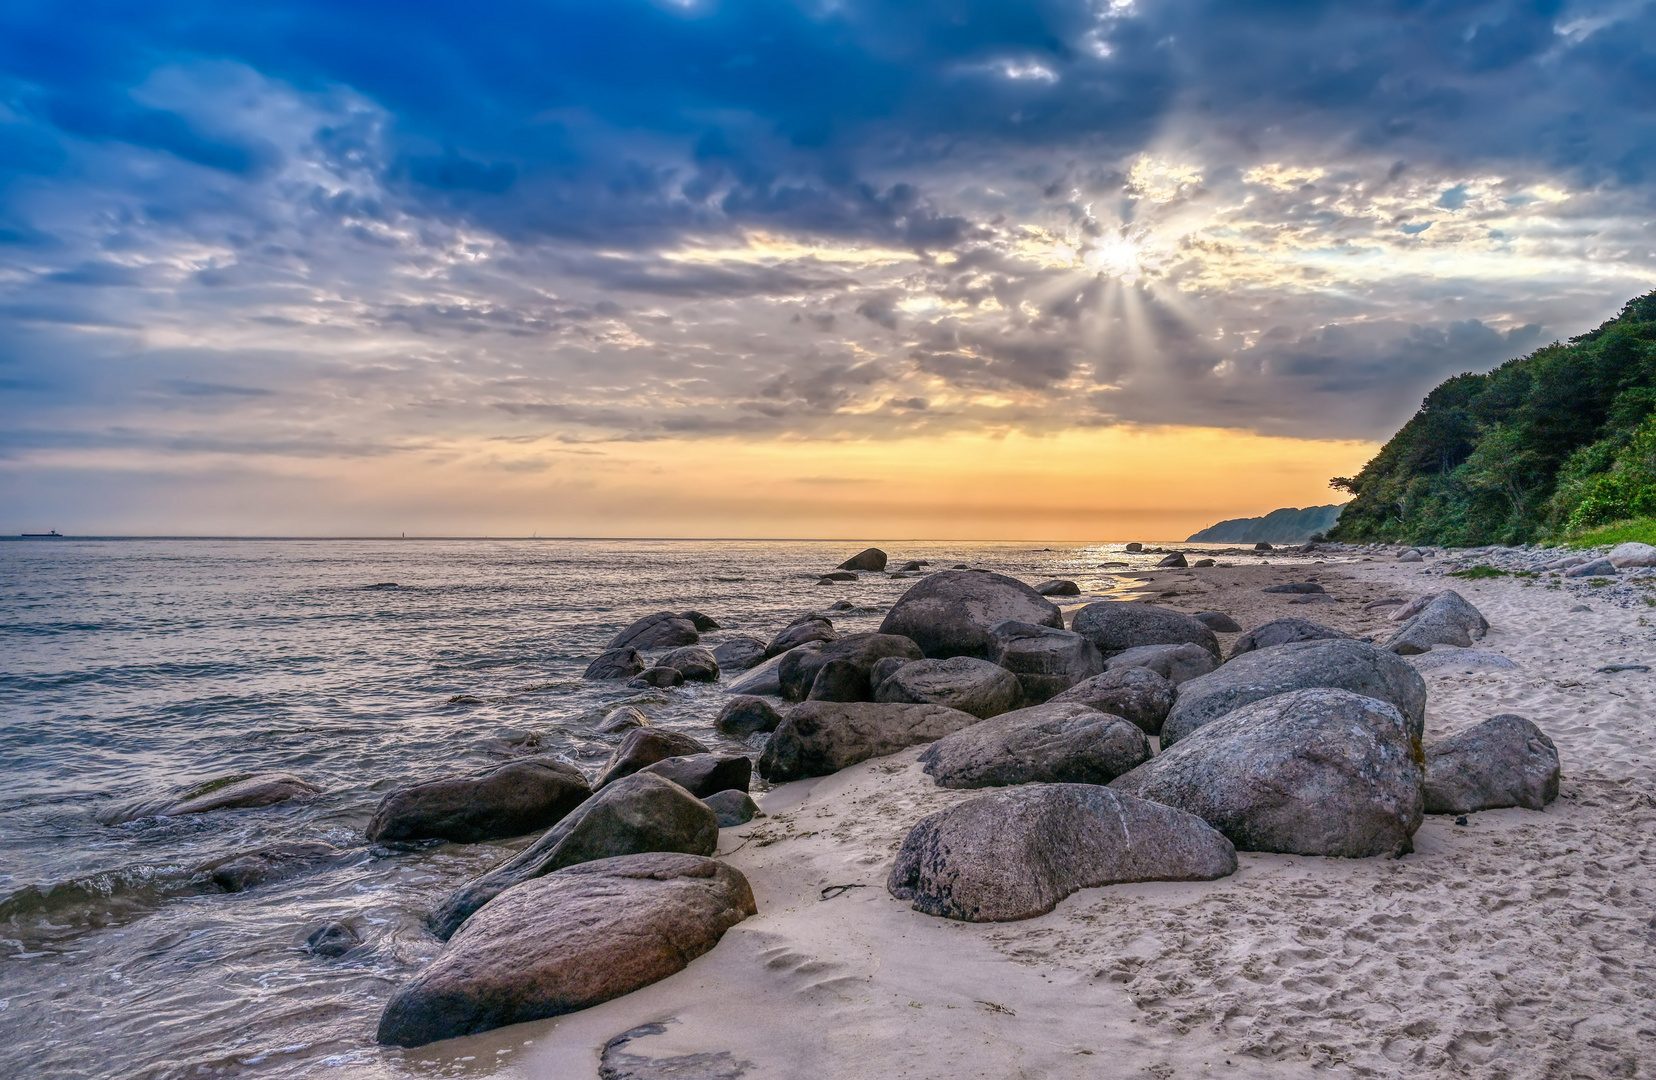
[799, 668]
[695, 662]
[1046, 661]
[840, 680]
[1281, 632]
[1344, 663]
[1504, 761]
[1056, 743]
[806, 628]
[1448, 620]
[615, 664]
[1133, 693]
[645, 746]
[568, 941]
[1017, 852]
[746, 715]
[822, 737]
[1632, 553]
[267, 789]
[1175, 663]
[951, 612]
[872, 559]
[637, 813]
[1118, 625]
[514, 799]
[1311, 772]
[739, 653]
[960, 682]
[663, 630]
[705, 774]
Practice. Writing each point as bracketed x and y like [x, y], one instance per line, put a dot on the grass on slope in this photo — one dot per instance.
[1642, 530]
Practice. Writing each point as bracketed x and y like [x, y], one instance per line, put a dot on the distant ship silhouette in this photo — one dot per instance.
[54, 534]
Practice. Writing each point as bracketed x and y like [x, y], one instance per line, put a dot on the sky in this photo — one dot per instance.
[1091, 270]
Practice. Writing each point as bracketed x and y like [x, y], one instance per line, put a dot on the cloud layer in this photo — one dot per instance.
[314, 230]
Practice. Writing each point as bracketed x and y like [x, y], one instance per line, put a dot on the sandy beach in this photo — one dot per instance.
[1515, 945]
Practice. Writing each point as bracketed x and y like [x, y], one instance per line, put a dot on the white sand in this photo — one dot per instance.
[1520, 945]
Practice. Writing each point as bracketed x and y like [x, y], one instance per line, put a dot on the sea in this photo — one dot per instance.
[133, 670]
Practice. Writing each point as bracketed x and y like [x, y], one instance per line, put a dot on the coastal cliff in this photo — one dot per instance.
[1288, 525]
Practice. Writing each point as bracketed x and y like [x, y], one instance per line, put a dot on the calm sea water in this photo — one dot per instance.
[131, 670]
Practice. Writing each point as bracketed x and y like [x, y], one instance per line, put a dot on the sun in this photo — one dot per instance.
[1117, 256]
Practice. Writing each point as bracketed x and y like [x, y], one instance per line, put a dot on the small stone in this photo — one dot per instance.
[872, 559]
[732, 807]
[1218, 622]
[746, 715]
[1176, 559]
[334, 939]
[615, 664]
[1058, 587]
[622, 719]
[658, 678]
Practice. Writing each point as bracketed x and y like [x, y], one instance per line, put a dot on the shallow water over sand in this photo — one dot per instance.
[132, 670]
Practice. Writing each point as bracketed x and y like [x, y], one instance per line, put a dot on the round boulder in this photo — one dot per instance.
[1134, 693]
[960, 682]
[615, 664]
[1281, 632]
[1045, 660]
[1058, 587]
[739, 653]
[1118, 625]
[1218, 622]
[645, 746]
[514, 799]
[800, 667]
[1505, 761]
[1058, 742]
[746, 715]
[695, 662]
[1175, 663]
[230, 794]
[872, 559]
[822, 737]
[804, 629]
[950, 613]
[663, 630]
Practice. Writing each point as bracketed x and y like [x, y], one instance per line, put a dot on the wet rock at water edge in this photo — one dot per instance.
[1058, 742]
[1045, 660]
[1134, 546]
[746, 715]
[568, 941]
[739, 653]
[1218, 622]
[1281, 632]
[1175, 663]
[732, 807]
[800, 667]
[645, 746]
[912, 566]
[637, 813]
[1058, 587]
[872, 559]
[839, 680]
[766, 678]
[233, 793]
[274, 863]
[1263, 546]
[1504, 761]
[511, 800]
[821, 737]
[1118, 625]
[1310, 772]
[1134, 693]
[836, 577]
[624, 718]
[802, 630]
[694, 662]
[615, 664]
[960, 682]
[705, 774]
[658, 678]
[663, 630]
[1342, 663]
[702, 623]
[1176, 560]
[332, 940]
[1017, 852]
[952, 612]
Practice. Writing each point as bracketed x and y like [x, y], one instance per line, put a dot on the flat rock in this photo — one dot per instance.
[1218, 622]
[960, 682]
[615, 664]
[1133, 693]
[637, 813]
[739, 653]
[834, 577]
[1118, 625]
[746, 715]
[663, 630]
[645, 746]
[821, 737]
[950, 613]
[1295, 587]
[1281, 632]
[732, 807]
[705, 774]
[1344, 663]
[272, 863]
[872, 559]
[517, 798]
[1175, 663]
[1504, 761]
[1596, 568]
[1058, 742]
[1311, 772]
[1058, 587]
[799, 668]
[1017, 852]
[267, 789]
[1447, 620]
[1314, 598]
[568, 941]
[1469, 659]
[1046, 661]
[805, 629]
[695, 662]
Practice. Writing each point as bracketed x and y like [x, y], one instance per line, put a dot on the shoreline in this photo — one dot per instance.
[1511, 944]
